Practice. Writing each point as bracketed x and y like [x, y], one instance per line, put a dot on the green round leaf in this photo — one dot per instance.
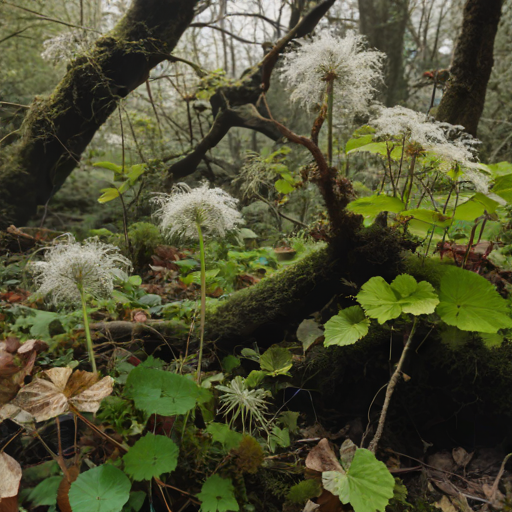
[348, 326]
[378, 300]
[415, 298]
[503, 187]
[471, 303]
[475, 206]
[221, 433]
[429, 216]
[161, 392]
[367, 485]
[45, 493]
[373, 205]
[276, 360]
[405, 295]
[218, 495]
[101, 489]
[151, 456]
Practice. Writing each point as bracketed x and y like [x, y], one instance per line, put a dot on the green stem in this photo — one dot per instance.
[87, 330]
[391, 387]
[330, 107]
[409, 182]
[203, 300]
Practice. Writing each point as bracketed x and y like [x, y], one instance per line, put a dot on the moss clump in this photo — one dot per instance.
[144, 239]
[304, 491]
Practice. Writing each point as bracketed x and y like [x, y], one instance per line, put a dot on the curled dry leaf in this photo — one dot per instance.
[311, 506]
[321, 458]
[16, 362]
[57, 390]
[461, 456]
[11, 476]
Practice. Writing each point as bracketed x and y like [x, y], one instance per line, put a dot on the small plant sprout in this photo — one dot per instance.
[337, 69]
[194, 214]
[72, 270]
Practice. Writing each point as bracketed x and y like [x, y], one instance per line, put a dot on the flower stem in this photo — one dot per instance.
[330, 106]
[391, 388]
[87, 330]
[203, 300]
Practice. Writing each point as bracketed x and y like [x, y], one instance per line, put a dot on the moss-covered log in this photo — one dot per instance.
[57, 129]
[293, 293]
[464, 99]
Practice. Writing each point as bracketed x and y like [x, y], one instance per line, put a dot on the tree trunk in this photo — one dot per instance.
[463, 101]
[58, 129]
[383, 22]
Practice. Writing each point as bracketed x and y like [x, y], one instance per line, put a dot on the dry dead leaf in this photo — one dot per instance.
[10, 470]
[15, 414]
[329, 503]
[461, 456]
[63, 490]
[9, 504]
[13, 371]
[310, 506]
[347, 452]
[56, 390]
[321, 458]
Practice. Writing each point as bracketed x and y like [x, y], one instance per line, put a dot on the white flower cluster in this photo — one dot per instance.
[67, 46]
[212, 208]
[69, 265]
[439, 139]
[355, 71]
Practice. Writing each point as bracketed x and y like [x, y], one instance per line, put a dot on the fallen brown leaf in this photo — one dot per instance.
[56, 391]
[10, 470]
[321, 458]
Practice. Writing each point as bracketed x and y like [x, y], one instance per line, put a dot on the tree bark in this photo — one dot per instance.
[384, 22]
[464, 98]
[57, 129]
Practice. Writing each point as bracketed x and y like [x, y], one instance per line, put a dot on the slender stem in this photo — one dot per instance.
[87, 330]
[391, 388]
[407, 192]
[330, 107]
[203, 300]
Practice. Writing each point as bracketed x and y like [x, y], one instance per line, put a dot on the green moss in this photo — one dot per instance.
[270, 299]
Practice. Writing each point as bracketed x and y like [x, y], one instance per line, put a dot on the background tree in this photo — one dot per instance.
[473, 60]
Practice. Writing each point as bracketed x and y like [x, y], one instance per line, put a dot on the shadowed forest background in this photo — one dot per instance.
[255, 255]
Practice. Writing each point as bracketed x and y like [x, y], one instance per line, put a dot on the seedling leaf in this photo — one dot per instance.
[276, 361]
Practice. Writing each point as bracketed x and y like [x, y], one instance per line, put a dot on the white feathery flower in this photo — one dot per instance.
[400, 121]
[435, 137]
[353, 69]
[67, 46]
[70, 265]
[212, 208]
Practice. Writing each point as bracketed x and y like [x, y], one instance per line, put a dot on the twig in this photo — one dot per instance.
[391, 388]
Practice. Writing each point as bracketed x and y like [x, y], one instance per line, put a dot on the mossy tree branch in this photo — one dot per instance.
[239, 105]
[58, 129]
